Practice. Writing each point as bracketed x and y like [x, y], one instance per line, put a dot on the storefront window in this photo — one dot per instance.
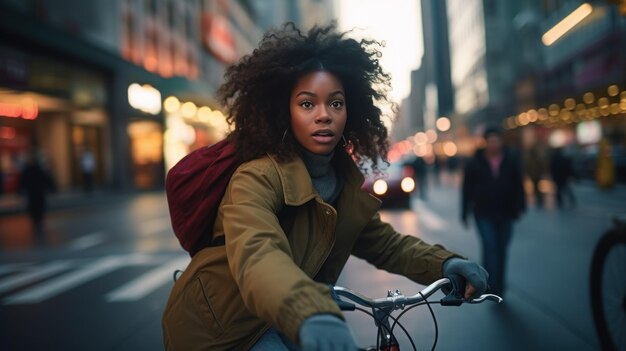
[146, 140]
[188, 129]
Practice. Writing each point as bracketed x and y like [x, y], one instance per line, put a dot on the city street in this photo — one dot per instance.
[547, 304]
[100, 100]
[102, 275]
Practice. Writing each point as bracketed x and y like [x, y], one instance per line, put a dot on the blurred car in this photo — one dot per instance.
[393, 187]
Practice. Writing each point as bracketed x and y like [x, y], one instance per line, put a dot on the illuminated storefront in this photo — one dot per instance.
[580, 124]
[189, 127]
[145, 132]
[54, 107]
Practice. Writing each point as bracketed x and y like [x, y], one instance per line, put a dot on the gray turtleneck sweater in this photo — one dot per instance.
[325, 180]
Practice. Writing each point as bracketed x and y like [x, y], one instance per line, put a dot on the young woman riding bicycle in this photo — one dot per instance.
[305, 113]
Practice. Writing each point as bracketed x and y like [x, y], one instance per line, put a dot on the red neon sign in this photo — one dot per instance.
[29, 111]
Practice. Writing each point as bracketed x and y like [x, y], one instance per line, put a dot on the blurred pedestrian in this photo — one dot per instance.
[35, 182]
[306, 111]
[420, 175]
[605, 167]
[436, 169]
[87, 167]
[562, 171]
[535, 168]
[493, 191]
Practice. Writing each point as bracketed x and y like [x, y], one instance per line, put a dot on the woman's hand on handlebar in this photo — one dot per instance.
[475, 276]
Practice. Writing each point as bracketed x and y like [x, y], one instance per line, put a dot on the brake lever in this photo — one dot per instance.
[483, 297]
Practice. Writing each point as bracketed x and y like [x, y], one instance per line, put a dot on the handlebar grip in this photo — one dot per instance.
[451, 300]
[346, 306]
[454, 293]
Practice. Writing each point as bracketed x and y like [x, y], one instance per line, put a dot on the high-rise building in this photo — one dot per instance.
[431, 94]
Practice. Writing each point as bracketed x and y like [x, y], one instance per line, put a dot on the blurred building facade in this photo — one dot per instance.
[552, 73]
[431, 94]
[578, 97]
[132, 80]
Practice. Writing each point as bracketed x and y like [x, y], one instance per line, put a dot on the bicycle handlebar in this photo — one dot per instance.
[395, 300]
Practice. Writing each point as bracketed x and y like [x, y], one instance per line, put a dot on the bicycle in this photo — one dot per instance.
[383, 307]
[608, 286]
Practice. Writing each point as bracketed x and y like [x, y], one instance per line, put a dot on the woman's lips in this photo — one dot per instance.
[323, 136]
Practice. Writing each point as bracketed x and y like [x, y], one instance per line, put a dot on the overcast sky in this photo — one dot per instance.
[398, 23]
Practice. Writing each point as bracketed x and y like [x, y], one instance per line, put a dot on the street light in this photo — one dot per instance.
[566, 24]
[443, 124]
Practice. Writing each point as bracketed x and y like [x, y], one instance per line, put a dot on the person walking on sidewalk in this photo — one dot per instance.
[493, 191]
[35, 183]
[420, 175]
[87, 167]
[535, 168]
[562, 171]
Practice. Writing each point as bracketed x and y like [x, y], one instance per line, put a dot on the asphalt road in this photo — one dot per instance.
[101, 277]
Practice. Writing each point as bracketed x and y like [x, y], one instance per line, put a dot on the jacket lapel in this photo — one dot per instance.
[295, 180]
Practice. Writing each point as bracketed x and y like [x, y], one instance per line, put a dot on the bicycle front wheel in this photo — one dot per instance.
[608, 290]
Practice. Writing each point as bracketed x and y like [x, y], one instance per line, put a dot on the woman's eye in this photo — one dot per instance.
[306, 104]
[337, 104]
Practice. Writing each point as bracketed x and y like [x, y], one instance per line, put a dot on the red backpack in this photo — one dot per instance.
[194, 188]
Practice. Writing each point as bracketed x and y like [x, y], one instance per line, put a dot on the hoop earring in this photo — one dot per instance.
[345, 142]
[284, 135]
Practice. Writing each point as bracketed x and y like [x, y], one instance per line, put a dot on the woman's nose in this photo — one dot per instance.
[323, 116]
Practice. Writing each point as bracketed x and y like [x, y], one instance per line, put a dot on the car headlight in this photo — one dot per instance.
[380, 187]
[407, 184]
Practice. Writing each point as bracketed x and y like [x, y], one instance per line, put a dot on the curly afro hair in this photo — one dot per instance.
[257, 89]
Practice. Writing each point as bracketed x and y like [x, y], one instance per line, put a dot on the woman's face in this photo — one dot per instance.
[318, 112]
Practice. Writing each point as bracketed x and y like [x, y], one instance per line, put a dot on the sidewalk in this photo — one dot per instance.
[12, 204]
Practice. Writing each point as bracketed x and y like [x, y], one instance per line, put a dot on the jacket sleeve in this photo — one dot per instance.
[272, 286]
[407, 255]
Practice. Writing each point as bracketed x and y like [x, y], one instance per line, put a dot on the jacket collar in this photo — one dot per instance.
[296, 182]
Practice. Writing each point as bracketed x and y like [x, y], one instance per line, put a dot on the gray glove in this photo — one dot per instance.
[473, 273]
[323, 332]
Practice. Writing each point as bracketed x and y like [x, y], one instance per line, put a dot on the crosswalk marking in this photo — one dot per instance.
[56, 286]
[148, 282]
[31, 276]
[68, 281]
[429, 218]
[87, 241]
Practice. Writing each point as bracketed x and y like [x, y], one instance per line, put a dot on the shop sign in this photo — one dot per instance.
[144, 98]
[28, 111]
[217, 37]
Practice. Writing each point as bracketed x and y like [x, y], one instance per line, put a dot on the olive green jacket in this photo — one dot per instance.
[229, 295]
